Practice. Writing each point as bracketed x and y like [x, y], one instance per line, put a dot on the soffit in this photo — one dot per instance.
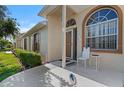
[79, 8]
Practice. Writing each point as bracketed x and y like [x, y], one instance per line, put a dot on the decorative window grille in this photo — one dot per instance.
[70, 22]
[101, 30]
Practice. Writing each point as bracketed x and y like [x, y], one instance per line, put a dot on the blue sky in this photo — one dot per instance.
[26, 15]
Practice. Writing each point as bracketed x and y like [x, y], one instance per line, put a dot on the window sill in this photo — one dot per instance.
[107, 51]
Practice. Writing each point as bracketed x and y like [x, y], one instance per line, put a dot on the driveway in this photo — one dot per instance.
[47, 75]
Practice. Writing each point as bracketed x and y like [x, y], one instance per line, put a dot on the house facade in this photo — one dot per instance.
[19, 41]
[36, 39]
[72, 27]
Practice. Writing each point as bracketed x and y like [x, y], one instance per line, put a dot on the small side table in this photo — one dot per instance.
[96, 57]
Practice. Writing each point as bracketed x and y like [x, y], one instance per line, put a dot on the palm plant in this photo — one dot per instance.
[3, 12]
[8, 26]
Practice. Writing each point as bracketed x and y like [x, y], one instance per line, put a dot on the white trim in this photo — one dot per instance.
[27, 38]
[117, 34]
[115, 21]
[71, 30]
[32, 41]
[72, 37]
[71, 27]
[102, 22]
[106, 15]
[23, 43]
[99, 10]
[64, 36]
[72, 44]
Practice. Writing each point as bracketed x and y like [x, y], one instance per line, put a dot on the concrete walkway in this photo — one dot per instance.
[47, 75]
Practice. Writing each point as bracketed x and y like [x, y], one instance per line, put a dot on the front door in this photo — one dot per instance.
[68, 43]
[71, 43]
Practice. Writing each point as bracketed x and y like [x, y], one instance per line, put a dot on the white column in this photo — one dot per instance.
[23, 43]
[63, 36]
[27, 42]
[32, 43]
[39, 41]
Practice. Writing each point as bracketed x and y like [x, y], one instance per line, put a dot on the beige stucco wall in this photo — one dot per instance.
[54, 38]
[109, 61]
[43, 40]
[19, 42]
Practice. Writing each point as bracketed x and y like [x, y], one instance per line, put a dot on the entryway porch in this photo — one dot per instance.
[104, 76]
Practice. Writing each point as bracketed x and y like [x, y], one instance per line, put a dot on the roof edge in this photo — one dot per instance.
[46, 10]
[42, 10]
[35, 27]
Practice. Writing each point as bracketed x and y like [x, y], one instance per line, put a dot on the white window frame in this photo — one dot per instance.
[115, 19]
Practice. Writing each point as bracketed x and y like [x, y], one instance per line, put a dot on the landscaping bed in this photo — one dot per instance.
[9, 65]
[27, 58]
[16, 61]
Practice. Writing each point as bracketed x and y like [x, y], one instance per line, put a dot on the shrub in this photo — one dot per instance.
[28, 59]
[9, 45]
[5, 44]
[6, 49]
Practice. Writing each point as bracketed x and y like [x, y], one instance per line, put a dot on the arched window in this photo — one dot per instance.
[70, 22]
[102, 15]
[101, 29]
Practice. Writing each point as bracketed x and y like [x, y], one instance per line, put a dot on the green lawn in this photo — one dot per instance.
[9, 65]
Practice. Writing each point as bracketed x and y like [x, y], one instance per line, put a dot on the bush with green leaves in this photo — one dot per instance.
[7, 49]
[28, 59]
[5, 45]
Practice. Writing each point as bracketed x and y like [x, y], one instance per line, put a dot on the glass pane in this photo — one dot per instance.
[87, 42]
[106, 28]
[103, 42]
[100, 29]
[103, 12]
[115, 26]
[89, 31]
[96, 29]
[112, 15]
[100, 43]
[111, 42]
[102, 35]
[102, 15]
[112, 27]
[97, 43]
[104, 19]
[89, 21]
[115, 42]
[93, 43]
[94, 16]
[106, 42]
[103, 29]
[93, 31]
[94, 21]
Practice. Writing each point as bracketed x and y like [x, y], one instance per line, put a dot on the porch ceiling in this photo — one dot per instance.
[56, 11]
[79, 8]
[69, 12]
[71, 9]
